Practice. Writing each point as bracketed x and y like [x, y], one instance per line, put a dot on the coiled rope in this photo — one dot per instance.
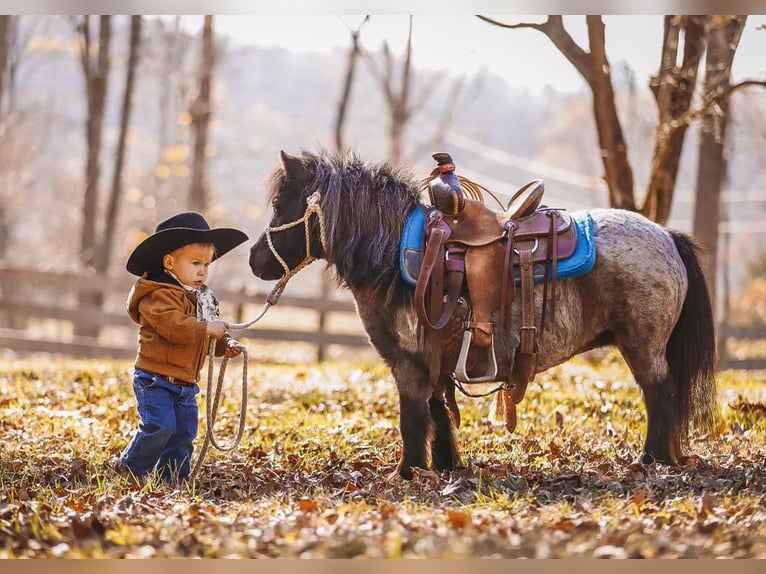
[212, 404]
[471, 188]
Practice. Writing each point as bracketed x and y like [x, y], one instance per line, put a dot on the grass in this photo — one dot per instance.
[310, 477]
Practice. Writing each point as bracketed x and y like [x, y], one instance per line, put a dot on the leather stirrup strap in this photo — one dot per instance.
[528, 329]
[526, 358]
[504, 317]
[551, 267]
[433, 257]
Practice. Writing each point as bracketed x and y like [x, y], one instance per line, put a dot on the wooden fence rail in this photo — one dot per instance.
[39, 313]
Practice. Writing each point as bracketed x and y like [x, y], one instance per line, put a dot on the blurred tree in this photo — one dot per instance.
[7, 35]
[94, 57]
[398, 95]
[403, 104]
[353, 56]
[201, 111]
[96, 244]
[7, 26]
[104, 248]
[167, 49]
[171, 56]
[673, 88]
[722, 40]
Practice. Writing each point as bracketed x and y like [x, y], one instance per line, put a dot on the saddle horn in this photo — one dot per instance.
[444, 189]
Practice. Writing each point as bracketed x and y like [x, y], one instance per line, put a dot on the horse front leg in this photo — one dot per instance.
[445, 449]
[414, 418]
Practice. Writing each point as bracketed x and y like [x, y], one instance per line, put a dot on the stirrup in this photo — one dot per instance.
[461, 373]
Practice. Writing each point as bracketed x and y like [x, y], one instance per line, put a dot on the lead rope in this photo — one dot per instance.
[212, 405]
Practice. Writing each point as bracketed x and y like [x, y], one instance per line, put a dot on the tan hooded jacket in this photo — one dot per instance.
[171, 341]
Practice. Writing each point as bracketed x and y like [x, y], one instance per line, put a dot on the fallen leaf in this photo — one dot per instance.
[565, 525]
[459, 519]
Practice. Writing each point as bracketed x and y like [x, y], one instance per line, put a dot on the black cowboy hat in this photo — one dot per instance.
[177, 231]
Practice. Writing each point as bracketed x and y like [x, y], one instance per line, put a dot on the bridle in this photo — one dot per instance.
[312, 208]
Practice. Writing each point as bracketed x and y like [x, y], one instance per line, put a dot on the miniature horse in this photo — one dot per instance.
[646, 294]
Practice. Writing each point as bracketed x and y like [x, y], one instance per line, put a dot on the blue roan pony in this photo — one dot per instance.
[645, 294]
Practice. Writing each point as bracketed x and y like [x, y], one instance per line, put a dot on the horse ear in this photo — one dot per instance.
[292, 165]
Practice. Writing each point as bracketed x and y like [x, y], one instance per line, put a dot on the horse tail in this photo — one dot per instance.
[691, 349]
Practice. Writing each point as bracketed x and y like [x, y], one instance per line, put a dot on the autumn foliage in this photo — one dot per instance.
[310, 478]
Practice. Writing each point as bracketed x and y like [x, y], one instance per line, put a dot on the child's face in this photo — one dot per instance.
[190, 263]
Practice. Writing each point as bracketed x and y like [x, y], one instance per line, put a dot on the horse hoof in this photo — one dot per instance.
[645, 458]
[649, 458]
[394, 477]
[401, 473]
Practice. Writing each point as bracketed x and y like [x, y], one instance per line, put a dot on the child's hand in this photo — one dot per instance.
[217, 329]
[233, 348]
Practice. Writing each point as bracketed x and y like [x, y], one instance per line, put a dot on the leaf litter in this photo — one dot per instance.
[312, 478]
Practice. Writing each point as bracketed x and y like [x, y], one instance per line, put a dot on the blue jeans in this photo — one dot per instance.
[165, 436]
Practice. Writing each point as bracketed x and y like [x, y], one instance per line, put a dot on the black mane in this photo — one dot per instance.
[365, 208]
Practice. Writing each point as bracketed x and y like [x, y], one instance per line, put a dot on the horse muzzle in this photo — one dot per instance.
[263, 264]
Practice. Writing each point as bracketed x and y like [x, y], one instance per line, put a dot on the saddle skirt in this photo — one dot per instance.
[579, 262]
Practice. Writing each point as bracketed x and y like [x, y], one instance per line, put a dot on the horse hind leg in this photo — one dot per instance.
[677, 376]
[663, 442]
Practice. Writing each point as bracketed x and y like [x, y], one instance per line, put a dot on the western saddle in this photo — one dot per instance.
[473, 258]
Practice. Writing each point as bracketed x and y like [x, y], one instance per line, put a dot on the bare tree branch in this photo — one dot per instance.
[709, 100]
[553, 27]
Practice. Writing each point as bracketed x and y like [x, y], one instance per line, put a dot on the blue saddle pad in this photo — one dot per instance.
[579, 263]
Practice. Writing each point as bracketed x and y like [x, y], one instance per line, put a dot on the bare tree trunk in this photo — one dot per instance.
[400, 103]
[398, 100]
[170, 63]
[594, 68]
[673, 88]
[722, 40]
[7, 24]
[96, 69]
[353, 57]
[201, 112]
[614, 149]
[6, 34]
[105, 247]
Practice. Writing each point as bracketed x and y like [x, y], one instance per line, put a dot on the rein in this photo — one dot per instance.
[211, 404]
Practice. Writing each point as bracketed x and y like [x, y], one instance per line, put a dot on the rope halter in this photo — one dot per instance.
[312, 208]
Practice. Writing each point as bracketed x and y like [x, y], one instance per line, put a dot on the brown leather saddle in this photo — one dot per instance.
[474, 256]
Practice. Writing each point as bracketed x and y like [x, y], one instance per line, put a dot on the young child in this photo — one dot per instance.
[177, 314]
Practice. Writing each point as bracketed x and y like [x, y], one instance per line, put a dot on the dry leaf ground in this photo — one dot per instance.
[309, 479]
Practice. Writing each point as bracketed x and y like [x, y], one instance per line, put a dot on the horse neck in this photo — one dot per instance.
[364, 228]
